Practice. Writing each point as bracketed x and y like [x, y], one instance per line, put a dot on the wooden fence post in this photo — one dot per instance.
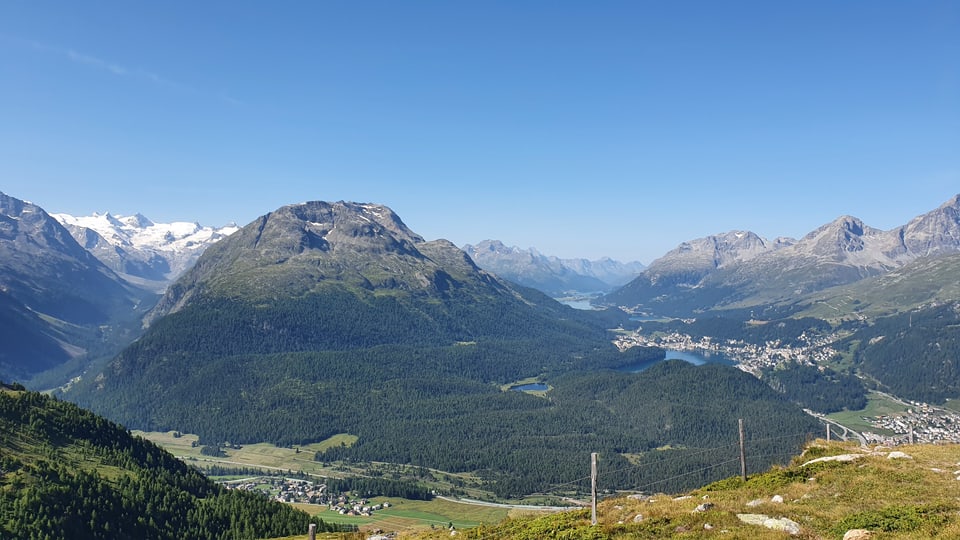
[743, 454]
[593, 488]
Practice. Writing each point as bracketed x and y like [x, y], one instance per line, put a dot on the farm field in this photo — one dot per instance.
[877, 405]
[404, 514]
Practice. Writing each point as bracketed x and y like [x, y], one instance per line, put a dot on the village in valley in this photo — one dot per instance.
[296, 490]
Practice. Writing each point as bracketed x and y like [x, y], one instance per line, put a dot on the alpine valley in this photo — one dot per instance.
[327, 318]
[74, 290]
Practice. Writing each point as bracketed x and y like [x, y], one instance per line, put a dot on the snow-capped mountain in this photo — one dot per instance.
[143, 252]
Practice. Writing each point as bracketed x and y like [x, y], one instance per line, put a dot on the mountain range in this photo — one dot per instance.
[315, 314]
[150, 255]
[73, 289]
[552, 275]
[741, 270]
[57, 300]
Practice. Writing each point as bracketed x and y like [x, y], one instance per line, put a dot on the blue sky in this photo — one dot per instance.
[583, 129]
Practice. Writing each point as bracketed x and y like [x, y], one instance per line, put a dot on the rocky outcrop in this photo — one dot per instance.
[777, 524]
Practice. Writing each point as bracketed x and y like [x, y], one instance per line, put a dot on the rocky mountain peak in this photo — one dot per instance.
[326, 226]
[138, 220]
[843, 235]
[300, 248]
[711, 252]
[932, 233]
[30, 229]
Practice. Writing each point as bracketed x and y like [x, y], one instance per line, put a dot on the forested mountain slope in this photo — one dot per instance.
[67, 473]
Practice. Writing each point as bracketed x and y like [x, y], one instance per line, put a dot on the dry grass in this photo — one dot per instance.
[907, 499]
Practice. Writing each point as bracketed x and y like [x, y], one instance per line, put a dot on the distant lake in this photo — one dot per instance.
[532, 387]
[695, 358]
[579, 301]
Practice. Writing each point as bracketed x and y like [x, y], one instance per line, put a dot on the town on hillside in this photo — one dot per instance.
[921, 423]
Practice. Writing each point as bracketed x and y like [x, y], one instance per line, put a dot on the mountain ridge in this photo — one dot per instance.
[707, 274]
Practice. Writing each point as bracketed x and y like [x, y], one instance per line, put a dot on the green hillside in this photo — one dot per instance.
[67, 473]
[921, 283]
[903, 493]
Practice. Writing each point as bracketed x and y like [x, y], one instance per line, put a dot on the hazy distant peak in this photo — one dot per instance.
[715, 251]
[548, 273]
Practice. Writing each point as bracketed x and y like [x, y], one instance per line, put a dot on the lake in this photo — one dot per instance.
[580, 301]
[532, 387]
[695, 358]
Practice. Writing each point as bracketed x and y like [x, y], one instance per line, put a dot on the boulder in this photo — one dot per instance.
[777, 524]
[841, 457]
[857, 534]
[703, 507]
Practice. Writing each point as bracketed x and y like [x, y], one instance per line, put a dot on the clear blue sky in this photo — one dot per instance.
[581, 128]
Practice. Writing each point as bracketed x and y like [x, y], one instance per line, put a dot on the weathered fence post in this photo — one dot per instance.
[593, 488]
[743, 454]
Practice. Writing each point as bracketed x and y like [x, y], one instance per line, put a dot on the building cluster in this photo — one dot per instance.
[360, 507]
[290, 490]
[923, 423]
[749, 357]
[295, 490]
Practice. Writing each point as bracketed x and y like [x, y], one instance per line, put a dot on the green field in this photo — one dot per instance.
[877, 405]
[262, 455]
[952, 404]
[404, 514]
